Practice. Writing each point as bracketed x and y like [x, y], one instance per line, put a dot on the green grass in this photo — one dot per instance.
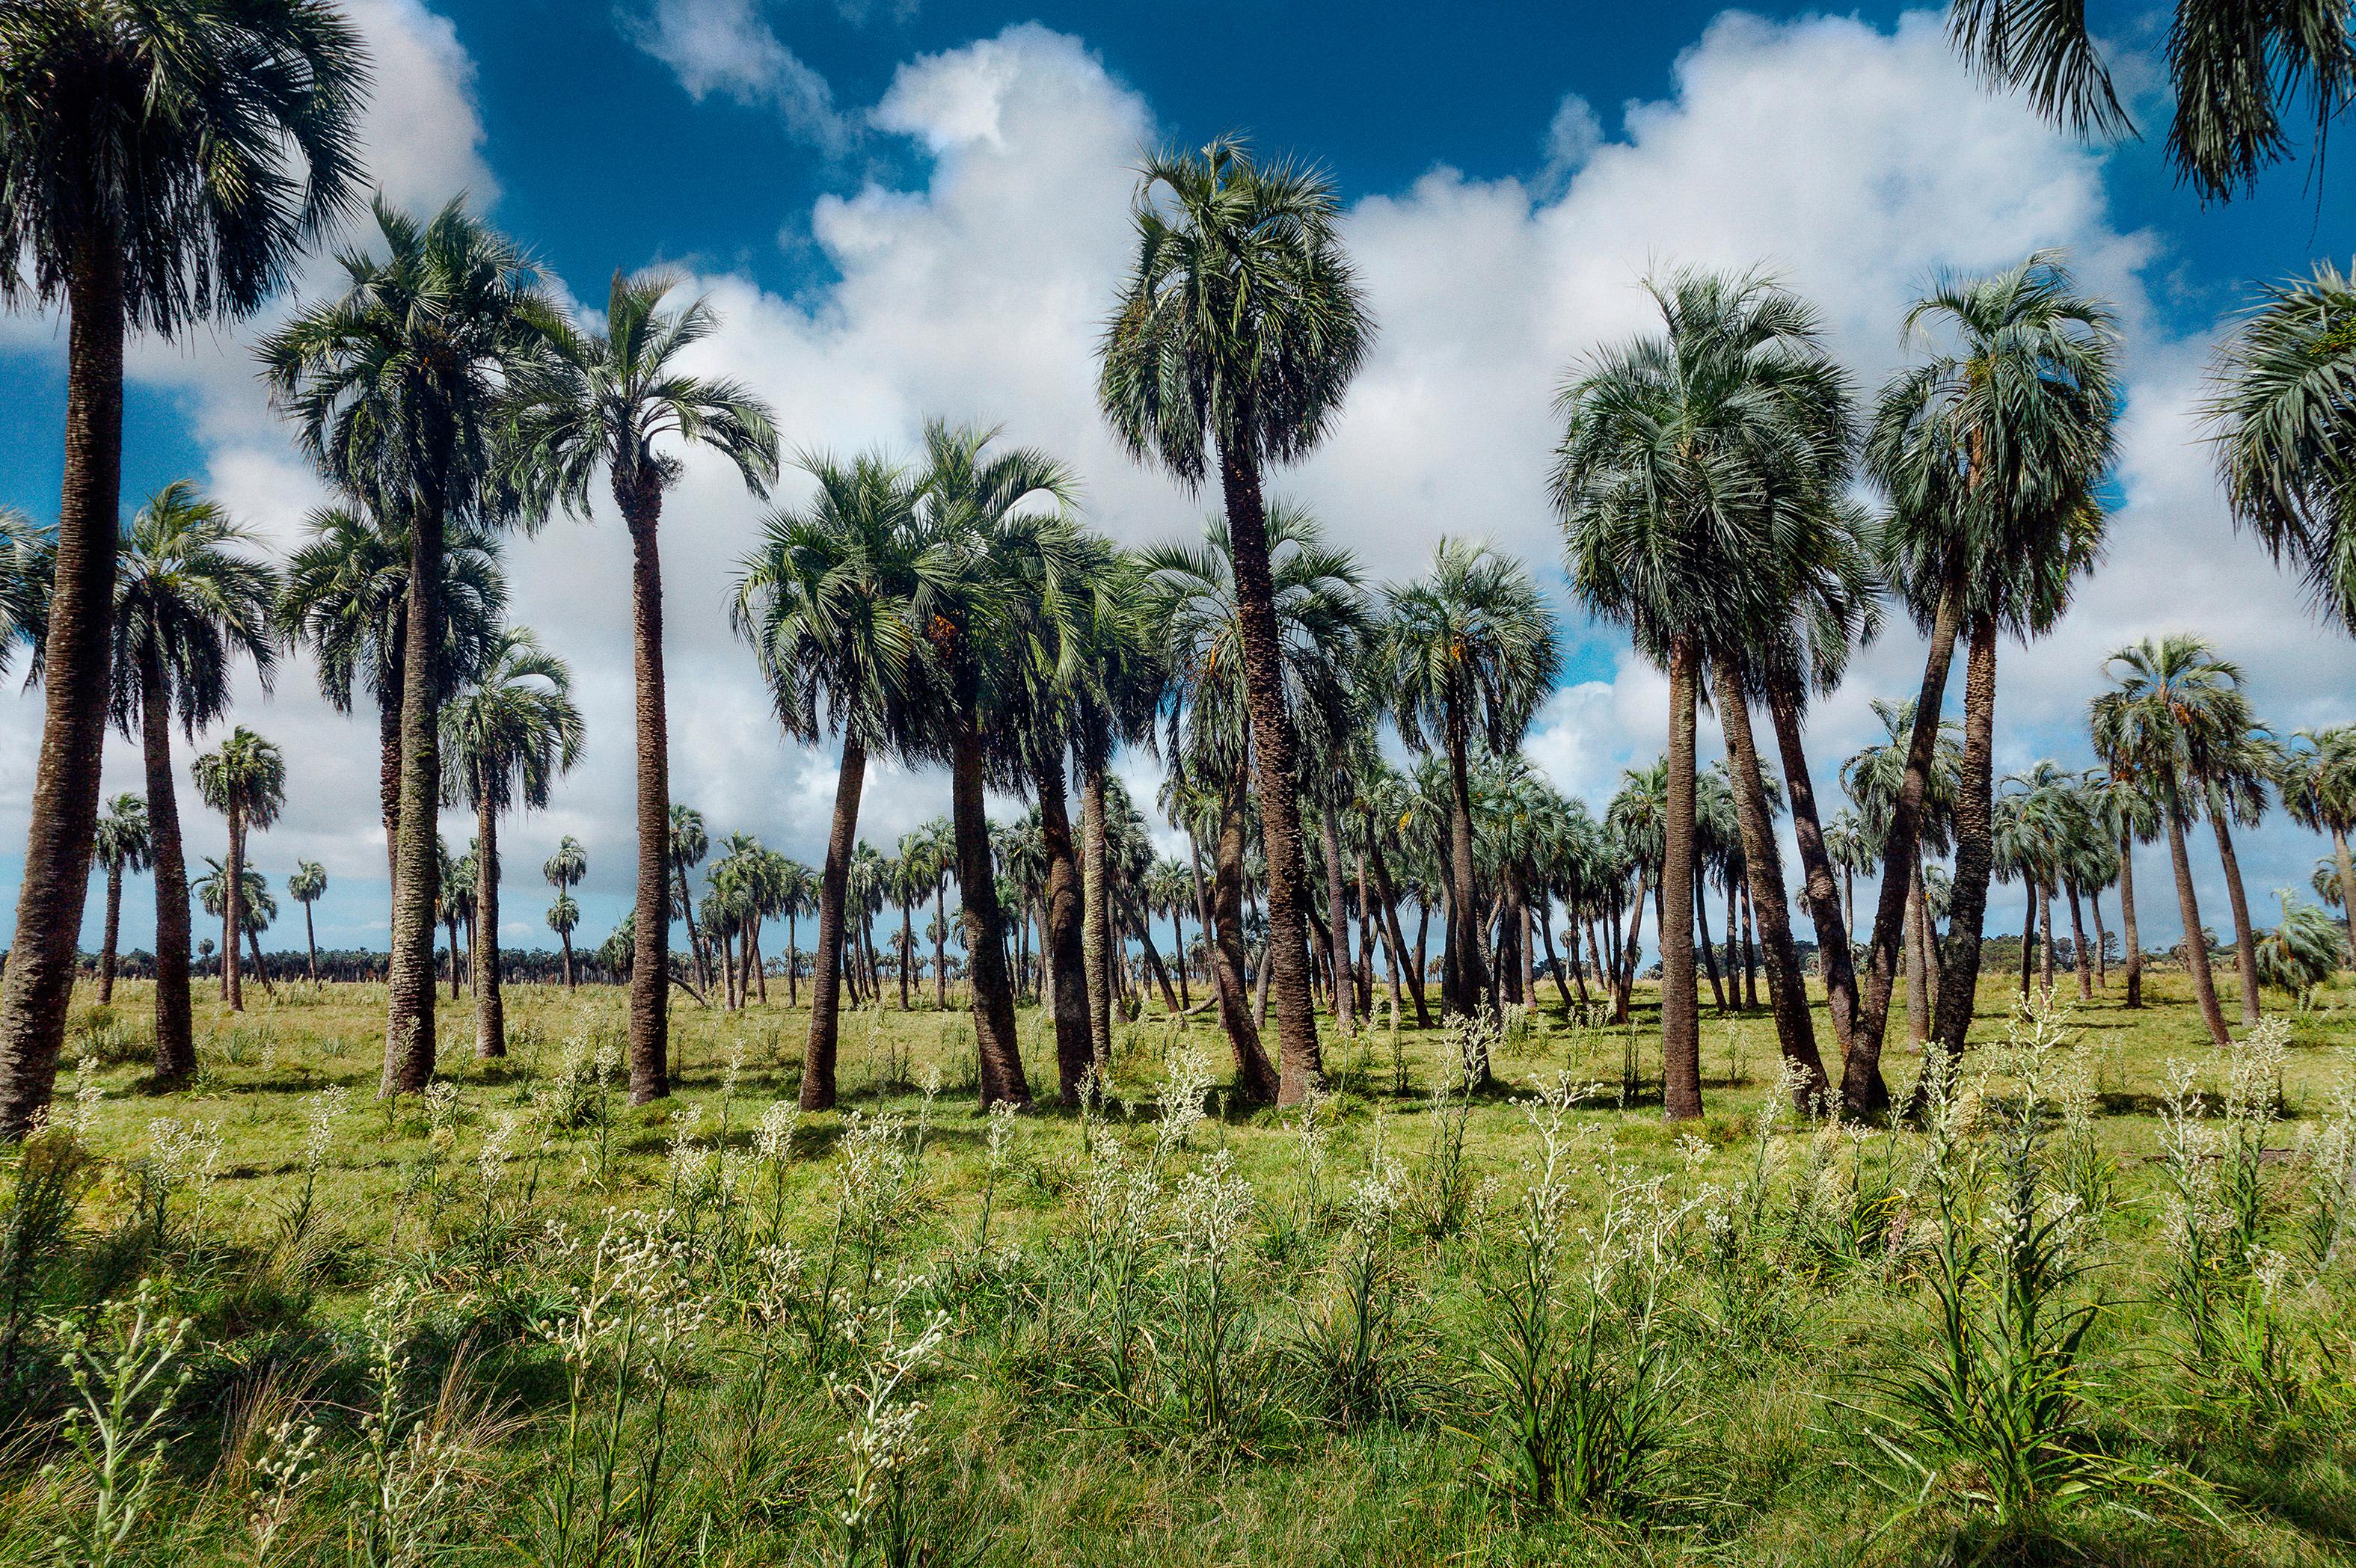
[1066, 1414]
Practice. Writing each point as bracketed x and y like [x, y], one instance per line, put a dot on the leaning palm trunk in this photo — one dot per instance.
[1229, 969]
[1815, 868]
[175, 1046]
[2189, 907]
[1066, 963]
[1680, 1007]
[75, 657]
[1624, 972]
[1095, 919]
[998, 1051]
[1863, 1091]
[1975, 844]
[1795, 1031]
[409, 1013]
[826, 965]
[2245, 938]
[1273, 750]
[490, 1008]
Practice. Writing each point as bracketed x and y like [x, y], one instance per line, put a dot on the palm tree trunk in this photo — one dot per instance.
[260, 969]
[1061, 940]
[793, 959]
[2078, 963]
[1624, 972]
[1864, 1093]
[1749, 948]
[1958, 983]
[490, 1008]
[826, 968]
[638, 497]
[2045, 919]
[1708, 948]
[310, 944]
[2028, 935]
[1817, 887]
[387, 771]
[1254, 1075]
[1918, 972]
[1337, 921]
[1554, 964]
[2102, 942]
[1422, 957]
[113, 928]
[565, 938]
[409, 1012]
[999, 1051]
[940, 948]
[1096, 942]
[76, 656]
[1680, 1007]
[1388, 897]
[2245, 936]
[2346, 886]
[1178, 957]
[1463, 897]
[1275, 752]
[233, 910]
[1763, 861]
[2188, 903]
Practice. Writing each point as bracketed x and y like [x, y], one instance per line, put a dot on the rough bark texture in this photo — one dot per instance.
[1096, 920]
[64, 815]
[826, 968]
[1472, 976]
[2188, 903]
[175, 1042]
[409, 1011]
[1273, 749]
[1680, 1008]
[113, 928]
[490, 1008]
[1817, 886]
[1254, 1075]
[650, 957]
[2245, 937]
[2078, 964]
[1975, 844]
[233, 913]
[1795, 1031]
[1068, 964]
[999, 1051]
[1863, 1091]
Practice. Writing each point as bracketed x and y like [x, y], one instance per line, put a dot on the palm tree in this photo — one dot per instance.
[826, 599]
[1009, 585]
[1993, 454]
[565, 870]
[1875, 778]
[2318, 790]
[1468, 653]
[1239, 328]
[345, 593]
[2176, 709]
[256, 909]
[1117, 693]
[161, 164]
[939, 839]
[2284, 427]
[563, 915]
[1852, 850]
[305, 887]
[187, 606]
[28, 569]
[505, 739]
[600, 402]
[1683, 454]
[244, 779]
[122, 844]
[2234, 68]
[1196, 608]
[2235, 782]
[2126, 816]
[687, 844]
[2301, 953]
[398, 387]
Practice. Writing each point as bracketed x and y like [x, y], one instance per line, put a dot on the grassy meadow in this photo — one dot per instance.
[2089, 1304]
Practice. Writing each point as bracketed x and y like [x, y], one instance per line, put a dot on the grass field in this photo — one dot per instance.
[2086, 1307]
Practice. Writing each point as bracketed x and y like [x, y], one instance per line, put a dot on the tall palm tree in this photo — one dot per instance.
[1117, 693]
[2176, 708]
[306, 886]
[939, 840]
[345, 593]
[565, 870]
[398, 387]
[828, 598]
[1876, 779]
[2285, 430]
[505, 739]
[2234, 66]
[1468, 653]
[244, 779]
[161, 164]
[687, 843]
[2235, 783]
[600, 404]
[1993, 451]
[1682, 456]
[256, 909]
[1196, 599]
[188, 605]
[1852, 850]
[2318, 790]
[1238, 330]
[122, 844]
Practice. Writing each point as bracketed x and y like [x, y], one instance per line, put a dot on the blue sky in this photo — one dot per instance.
[917, 209]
